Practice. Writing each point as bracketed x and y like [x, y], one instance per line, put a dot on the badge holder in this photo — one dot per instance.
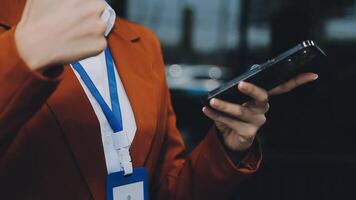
[131, 187]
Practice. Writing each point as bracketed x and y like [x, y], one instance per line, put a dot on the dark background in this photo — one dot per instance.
[308, 142]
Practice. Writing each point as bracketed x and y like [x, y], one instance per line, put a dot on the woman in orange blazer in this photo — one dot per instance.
[50, 144]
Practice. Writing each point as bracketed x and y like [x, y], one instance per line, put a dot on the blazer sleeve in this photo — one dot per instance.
[22, 91]
[207, 172]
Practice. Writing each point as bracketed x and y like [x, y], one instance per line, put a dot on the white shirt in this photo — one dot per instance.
[96, 69]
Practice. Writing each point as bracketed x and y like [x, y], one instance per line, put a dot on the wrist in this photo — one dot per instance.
[236, 155]
[28, 49]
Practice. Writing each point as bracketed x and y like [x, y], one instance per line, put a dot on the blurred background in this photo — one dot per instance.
[309, 140]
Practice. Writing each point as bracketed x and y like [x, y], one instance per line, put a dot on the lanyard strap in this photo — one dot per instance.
[113, 115]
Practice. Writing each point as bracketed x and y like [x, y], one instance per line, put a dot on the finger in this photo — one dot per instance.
[293, 83]
[240, 128]
[251, 105]
[217, 117]
[258, 94]
[234, 124]
[245, 114]
[98, 6]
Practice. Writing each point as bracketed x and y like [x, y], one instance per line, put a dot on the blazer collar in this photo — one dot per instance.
[126, 32]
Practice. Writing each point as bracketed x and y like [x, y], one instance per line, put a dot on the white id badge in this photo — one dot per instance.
[133, 191]
[132, 187]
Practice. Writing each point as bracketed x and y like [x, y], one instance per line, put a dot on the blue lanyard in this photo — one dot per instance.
[112, 115]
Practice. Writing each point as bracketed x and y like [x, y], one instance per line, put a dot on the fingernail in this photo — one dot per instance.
[316, 76]
[242, 85]
[205, 111]
[213, 102]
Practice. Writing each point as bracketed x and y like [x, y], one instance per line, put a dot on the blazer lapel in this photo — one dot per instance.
[135, 68]
[81, 128]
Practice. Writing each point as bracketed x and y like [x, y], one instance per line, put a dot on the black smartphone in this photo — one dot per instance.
[271, 73]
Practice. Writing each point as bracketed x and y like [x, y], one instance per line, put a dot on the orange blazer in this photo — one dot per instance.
[50, 143]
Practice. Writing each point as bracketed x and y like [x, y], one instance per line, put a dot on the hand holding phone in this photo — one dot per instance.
[271, 73]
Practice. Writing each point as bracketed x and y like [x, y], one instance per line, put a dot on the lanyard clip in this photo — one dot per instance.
[122, 145]
[125, 161]
[120, 140]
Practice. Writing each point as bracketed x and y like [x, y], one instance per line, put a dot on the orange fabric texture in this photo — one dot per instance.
[50, 143]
